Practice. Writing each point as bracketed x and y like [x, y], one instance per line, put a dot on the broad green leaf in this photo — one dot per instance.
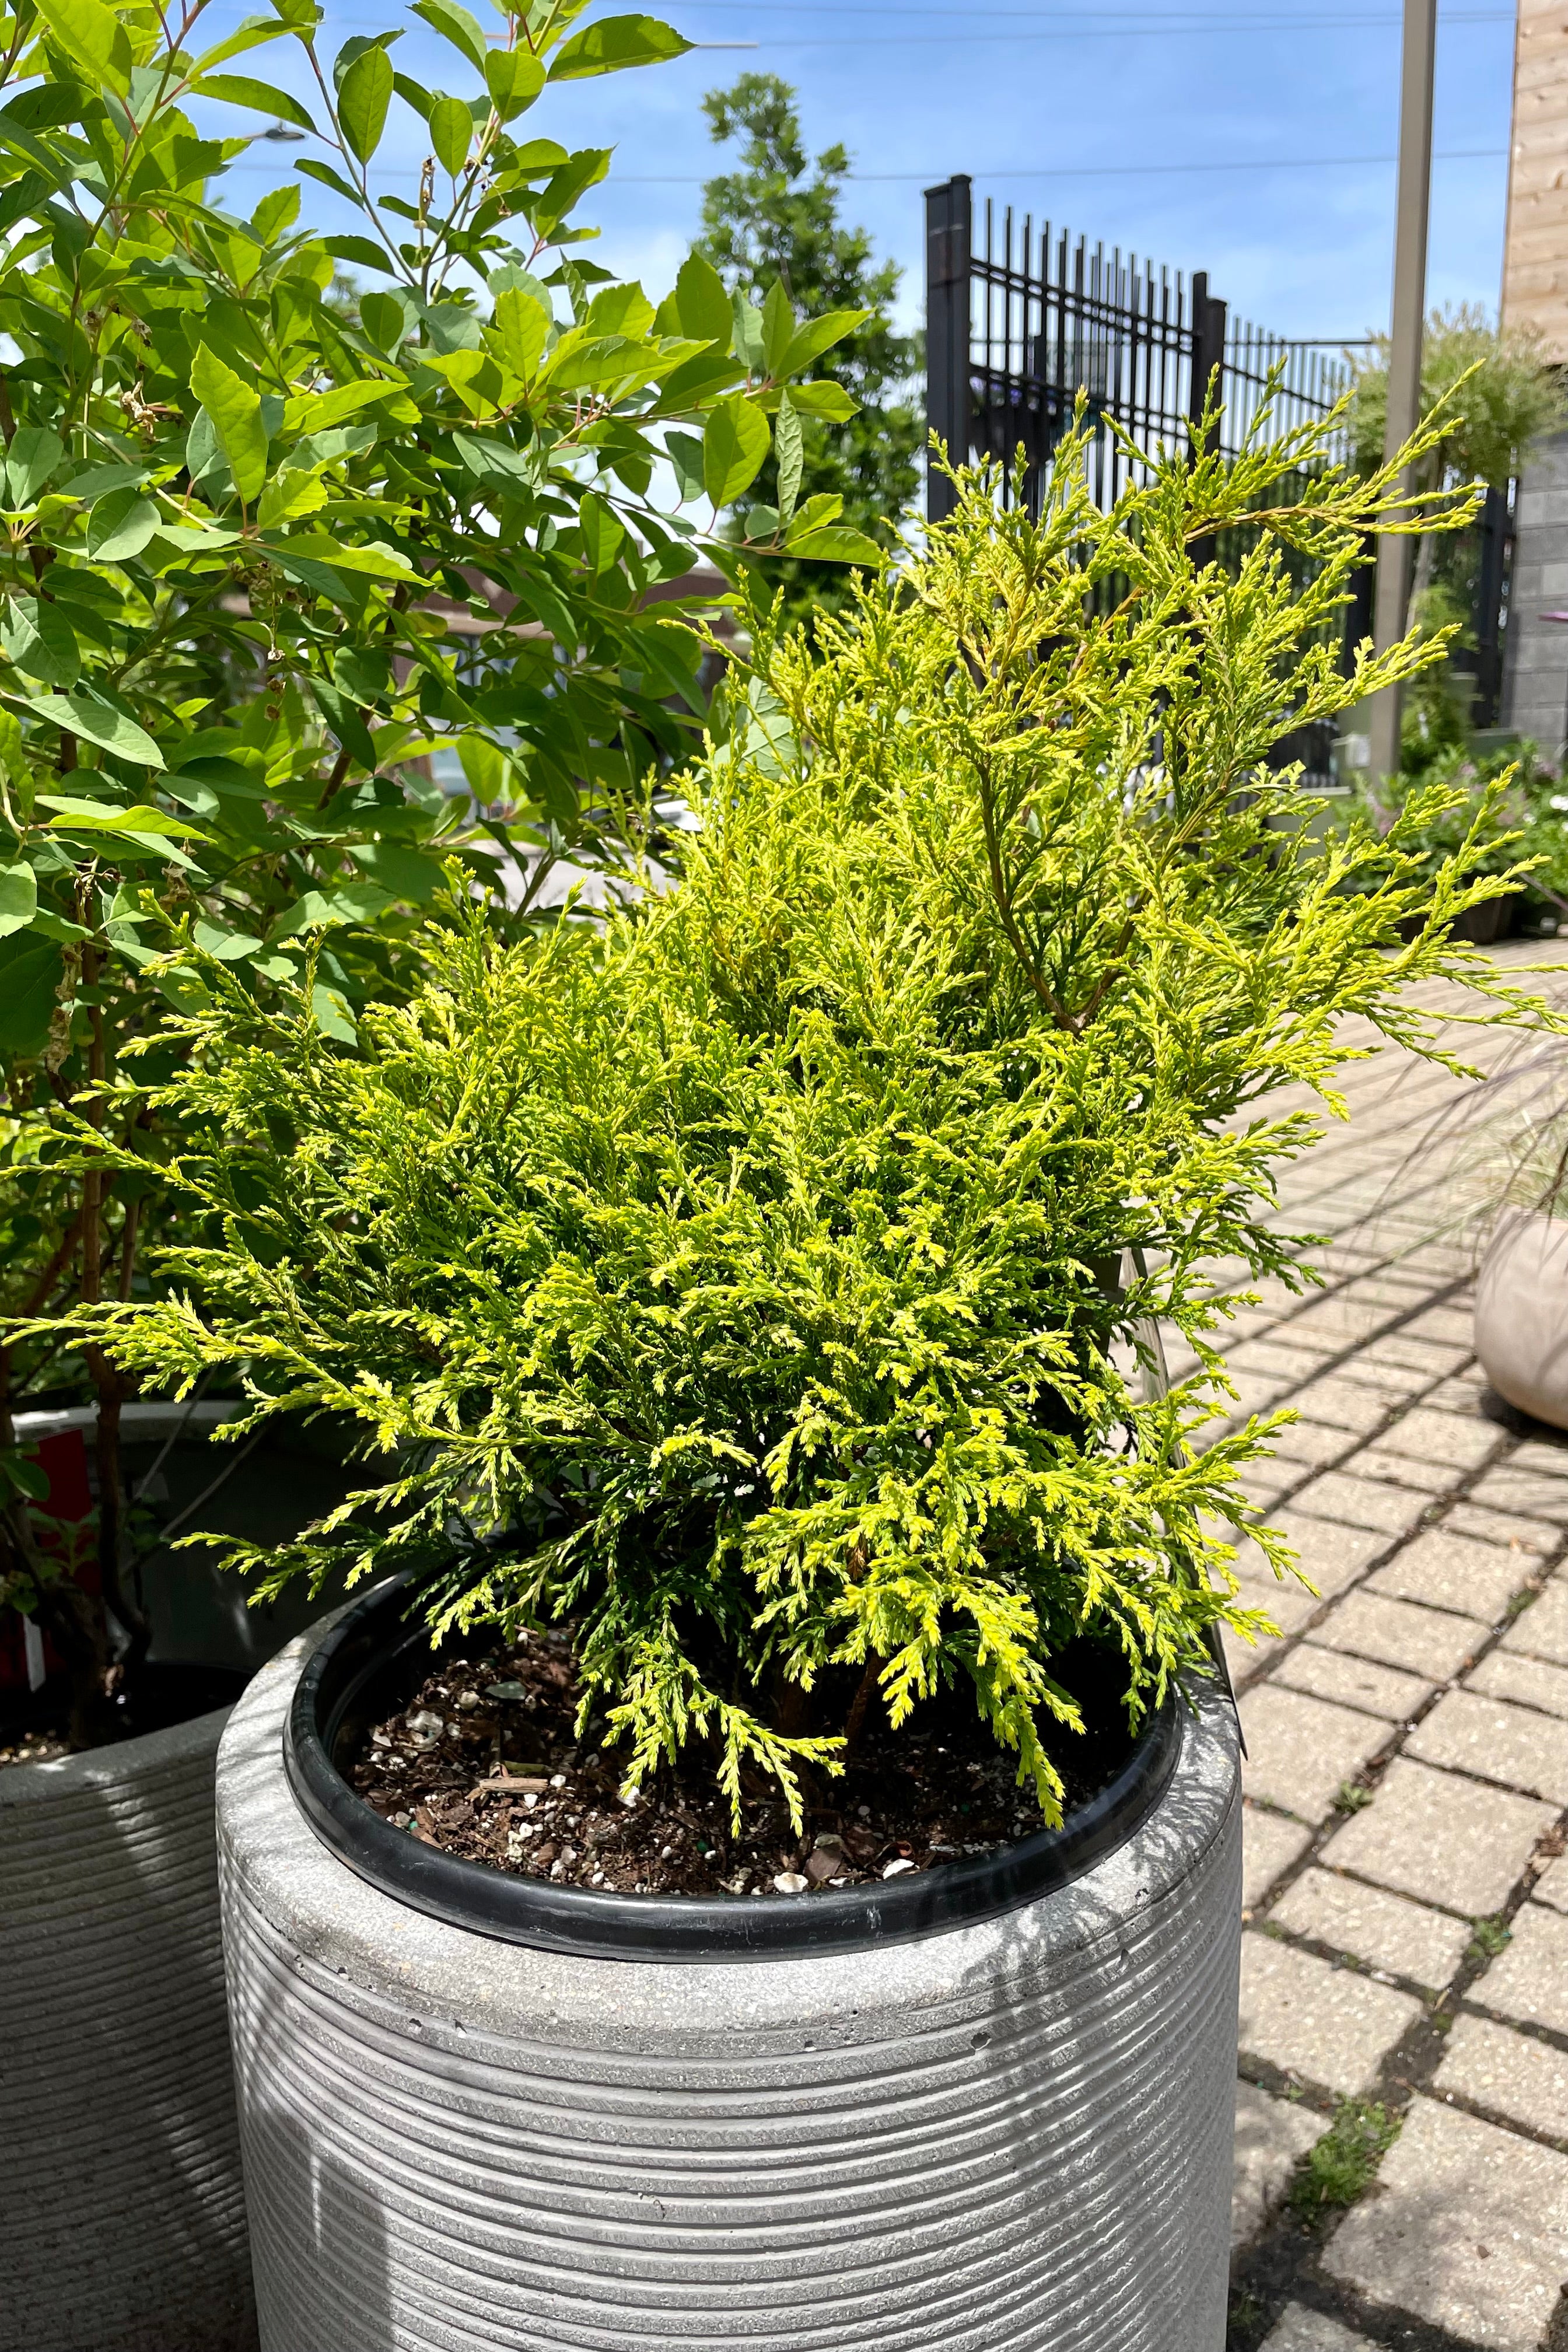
[363, 672]
[746, 324]
[50, 925]
[414, 94]
[701, 301]
[494, 461]
[236, 411]
[97, 482]
[454, 25]
[205, 460]
[363, 99]
[619, 310]
[828, 399]
[83, 714]
[376, 561]
[119, 526]
[603, 532]
[257, 97]
[319, 910]
[686, 456]
[33, 456]
[537, 156]
[406, 873]
[789, 445]
[289, 495]
[734, 444]
[383, 319]
[369, 255]
[96, 816]
[514, 78]
[94, 35]
[314, 169]
[817, 512]
[614, 43]
[253, 34]
[40, 640]
[451, 133]
[836, 544]
[225, 946]
[31, 971]
[315, 412]
[605, 359]
[778, 328]
[19, 899]
[521, 328]
[510, 274]
[275, 212]
[333, 1015]
[451, 326]
[25, 1476]
[820, 335]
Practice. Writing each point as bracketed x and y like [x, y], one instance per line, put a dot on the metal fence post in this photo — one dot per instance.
[949, 211]
[1209, 314]
[1487, 622]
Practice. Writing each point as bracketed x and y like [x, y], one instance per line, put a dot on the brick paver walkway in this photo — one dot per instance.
[1406, 1939]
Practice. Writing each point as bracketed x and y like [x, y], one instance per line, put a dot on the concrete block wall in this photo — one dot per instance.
[1535, 685]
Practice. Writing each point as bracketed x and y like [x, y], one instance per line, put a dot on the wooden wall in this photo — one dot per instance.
[1535, 253]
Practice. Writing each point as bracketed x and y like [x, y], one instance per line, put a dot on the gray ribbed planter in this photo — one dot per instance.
[125, 2220]
[1005, 2136]
[1521, 1313]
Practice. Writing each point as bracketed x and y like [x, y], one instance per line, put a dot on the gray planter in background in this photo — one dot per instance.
[1003, 2137]
[124, 2216]
[264, 1486]
[1521, 1313]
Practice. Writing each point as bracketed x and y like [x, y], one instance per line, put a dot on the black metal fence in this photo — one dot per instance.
[1021, 321]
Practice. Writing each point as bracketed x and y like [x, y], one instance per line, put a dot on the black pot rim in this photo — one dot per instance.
[374, 1636]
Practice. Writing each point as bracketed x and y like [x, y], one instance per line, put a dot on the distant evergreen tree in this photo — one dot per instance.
[777, 217]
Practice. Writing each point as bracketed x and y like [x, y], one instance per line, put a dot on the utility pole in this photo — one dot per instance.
[1393, 555]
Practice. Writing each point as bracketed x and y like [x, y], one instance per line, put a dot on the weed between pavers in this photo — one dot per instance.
[1343, 2164]
[1491, 1938]
[1352, 1797]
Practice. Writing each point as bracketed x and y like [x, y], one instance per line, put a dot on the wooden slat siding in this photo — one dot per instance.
[1535, 252]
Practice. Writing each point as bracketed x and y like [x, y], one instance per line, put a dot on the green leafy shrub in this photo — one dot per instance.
[249, 530]
[1505, 803]
[739, 1280]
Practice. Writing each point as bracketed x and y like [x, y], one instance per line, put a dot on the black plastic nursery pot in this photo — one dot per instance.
[375, 1654]
[988, 2104]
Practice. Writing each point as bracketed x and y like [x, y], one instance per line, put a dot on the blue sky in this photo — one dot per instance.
[1061, 110]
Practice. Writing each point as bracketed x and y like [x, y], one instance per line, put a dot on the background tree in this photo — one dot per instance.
[776, 217]
[1502, 395]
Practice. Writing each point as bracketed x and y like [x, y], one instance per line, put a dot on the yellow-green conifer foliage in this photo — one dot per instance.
[738, 1276]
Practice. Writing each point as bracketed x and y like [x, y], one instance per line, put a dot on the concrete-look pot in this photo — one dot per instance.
[124, 2219]
[1009, 2130]
[1521, 1313]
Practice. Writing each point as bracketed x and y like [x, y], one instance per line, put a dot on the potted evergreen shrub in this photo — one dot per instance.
[256, 518]
[798, 1897]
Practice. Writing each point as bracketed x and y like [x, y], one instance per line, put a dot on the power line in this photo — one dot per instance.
[1031, 172]
[1102, 171]
[1115, 19]
[1100, 29]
